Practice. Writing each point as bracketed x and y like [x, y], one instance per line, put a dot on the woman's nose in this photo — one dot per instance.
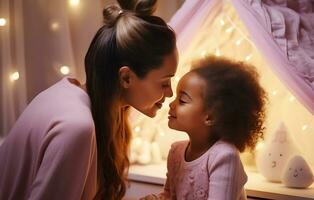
[168, 92]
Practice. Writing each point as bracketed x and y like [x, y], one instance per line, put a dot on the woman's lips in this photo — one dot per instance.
[159, 105]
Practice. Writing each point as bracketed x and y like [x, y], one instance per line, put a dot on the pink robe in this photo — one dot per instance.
[50, 152]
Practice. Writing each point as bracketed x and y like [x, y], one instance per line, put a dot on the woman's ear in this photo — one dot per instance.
[125, 76]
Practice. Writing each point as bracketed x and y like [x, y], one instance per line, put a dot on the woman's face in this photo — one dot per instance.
[148, 94]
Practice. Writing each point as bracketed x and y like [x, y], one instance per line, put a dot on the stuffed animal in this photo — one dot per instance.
[272, 159]
[297, 173]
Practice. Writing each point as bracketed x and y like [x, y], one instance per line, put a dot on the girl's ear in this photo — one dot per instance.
[208, 120]
[125, 76]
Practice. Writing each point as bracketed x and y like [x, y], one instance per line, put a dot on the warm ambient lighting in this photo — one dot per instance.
[55, 26]
[14, 76]
[3, 22]
[74, 2]
[65, 70]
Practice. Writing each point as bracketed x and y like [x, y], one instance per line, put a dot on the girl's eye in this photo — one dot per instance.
[181, 101]
[165, 85]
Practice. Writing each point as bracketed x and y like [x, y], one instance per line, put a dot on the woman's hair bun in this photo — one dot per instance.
[110, 14]
[141, 7]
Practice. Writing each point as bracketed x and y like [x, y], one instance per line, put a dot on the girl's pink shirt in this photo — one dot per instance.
[50, 152]
[216, 175]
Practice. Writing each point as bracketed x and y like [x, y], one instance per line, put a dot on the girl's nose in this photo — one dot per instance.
[171, 105]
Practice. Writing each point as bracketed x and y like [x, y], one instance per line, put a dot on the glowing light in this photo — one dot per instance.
[292, 98]
[247, 58]
[177, 78]
[162, 134]
[229, 30]
[3, 22]
[137, 129]
[14, 76]
[218, 53]
[222, 22]
[203, 54]
[65, 70]
[238, 42]
[74, 2]
[259, 146]
[304, 127]
[274, 93]
[55, 26]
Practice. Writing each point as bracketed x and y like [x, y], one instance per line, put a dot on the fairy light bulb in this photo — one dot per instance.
[222, 22]
[177, 78]
[304, 127]
[14, 76]
[161, 133]
[229, 30]
[248, 57]
[274, 93]
[238, 42]
[218, 53]
[259, 146]
[55, 26]
[3, 22]
[203, 54]
[74, 3]
[292, 98]
[137, 129]
[65, 70]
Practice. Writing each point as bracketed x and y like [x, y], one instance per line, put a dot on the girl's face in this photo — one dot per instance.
[148, 94]
[187, 112]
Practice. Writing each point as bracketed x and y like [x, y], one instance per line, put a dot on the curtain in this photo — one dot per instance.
[38, 38]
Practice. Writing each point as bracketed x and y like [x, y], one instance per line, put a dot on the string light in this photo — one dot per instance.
[238, 42]
[137, 129]
[177, 78]
[229, 30]
[55, 26]
[259, 146]
[74, 2]
[304, 127]
[217, 53]
[274, 92]
[247, 58]
[162, 134]
[65, 70]
[292, 98]
[3, 22]
[14, 76]
[222, 22]
[203, 54]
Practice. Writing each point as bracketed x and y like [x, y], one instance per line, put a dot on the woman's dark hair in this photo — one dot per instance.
[131, 37]
[235, 100]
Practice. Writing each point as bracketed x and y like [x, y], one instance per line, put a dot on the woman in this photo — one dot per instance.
[72, 140]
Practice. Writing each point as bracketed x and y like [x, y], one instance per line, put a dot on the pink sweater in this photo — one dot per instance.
[51, 151]
[216, 175]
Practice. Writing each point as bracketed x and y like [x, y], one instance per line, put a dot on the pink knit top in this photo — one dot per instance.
[216, 175]
[51, 151]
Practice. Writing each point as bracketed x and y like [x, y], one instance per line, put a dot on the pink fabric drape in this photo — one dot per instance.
[282, 30]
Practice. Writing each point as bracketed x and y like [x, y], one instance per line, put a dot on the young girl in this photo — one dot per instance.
[220, 105]
[72, 140]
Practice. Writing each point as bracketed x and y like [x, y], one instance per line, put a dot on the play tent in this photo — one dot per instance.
[275, 36]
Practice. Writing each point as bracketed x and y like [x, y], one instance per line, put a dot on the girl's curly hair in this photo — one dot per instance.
[235, 100]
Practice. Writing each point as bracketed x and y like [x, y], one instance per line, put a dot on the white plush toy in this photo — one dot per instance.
[272, 159]
[297, 173]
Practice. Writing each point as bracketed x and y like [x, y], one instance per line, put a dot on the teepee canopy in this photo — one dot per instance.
[283, 31]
